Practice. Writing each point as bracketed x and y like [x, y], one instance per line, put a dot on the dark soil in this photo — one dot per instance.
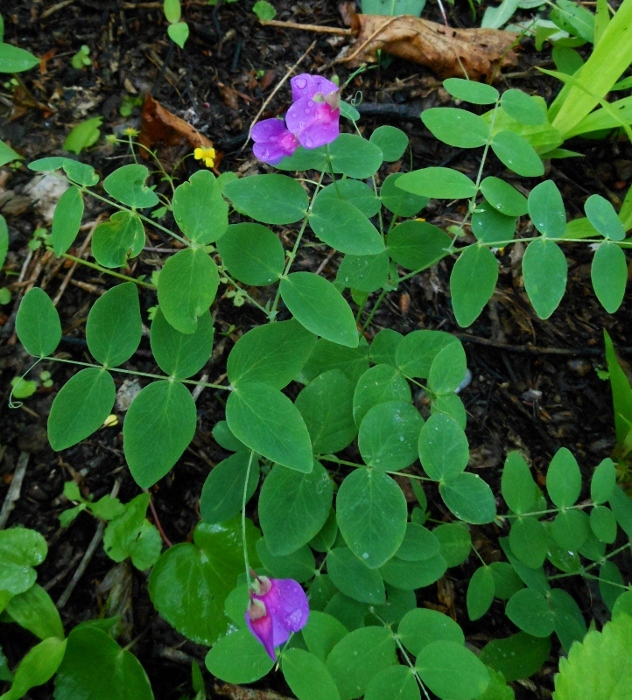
[534, 399]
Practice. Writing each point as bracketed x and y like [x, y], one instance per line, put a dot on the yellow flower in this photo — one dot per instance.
[130, 131]
[205, 154]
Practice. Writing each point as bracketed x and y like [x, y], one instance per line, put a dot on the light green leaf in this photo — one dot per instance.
[273, 354]
[378, 385]
[471, 91]
[271, 199]
[391, 141]
[469, 498]
[83, 135]
[417, 245]
[16, 60]
[80, 407]
[399, 202]
[621, 505]
[267, 422]
[417, 351]
[35, 611]
[354, 192]
[371, 513]
[353, 578]
[410, 575]
[545, 271]
[456, 127]
[354, 156]
[66, 220]
[570, 530]
[158, 427]
[181, 355]
[528, 541]
[293, 507]
[223, 491]
[172, 10]
[546, 209]
[354, 362]
[395, 683]
[443, 448]
[563, 479]
[252, 254]
[178, 33]
[238, 658]
[114, 240]
[609, 275]
[490, 226]
[264, 10]
[319, 307]
[186, 288]
[39, 664]
[517, 154]
[308, 676]
[503, 197]
[518, 656]
[422, 626]
[199, 208]
[384, 347]
[321, 633]
[438, 183]
[127, 185]
[452, 671]
[480, 592]
[448, 369]
[522, 107]
[472, 283]
[517, 485]
[604, 218]
[20, 550]
[603, 524]
[603, 481]
[364, 273]
[37, 324]
[389, 434]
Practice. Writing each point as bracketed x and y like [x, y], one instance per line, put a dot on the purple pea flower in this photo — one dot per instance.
[273, 142]
[314, 118]
[278, 606]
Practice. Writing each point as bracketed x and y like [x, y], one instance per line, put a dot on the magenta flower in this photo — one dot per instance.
[273, 142]
[278, 607]
[314, 118]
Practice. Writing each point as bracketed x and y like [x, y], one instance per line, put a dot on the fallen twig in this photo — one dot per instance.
[307, 27]
[82, 250]
[13, 494]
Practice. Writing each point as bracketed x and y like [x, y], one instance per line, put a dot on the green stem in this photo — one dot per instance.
[378, 301]
[223, 273]
[336, 460]
[411, 476]
[105, 271]
[244, 542]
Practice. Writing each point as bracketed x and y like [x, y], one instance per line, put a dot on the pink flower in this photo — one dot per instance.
[314, 118]
[277, 608]
[273, 142]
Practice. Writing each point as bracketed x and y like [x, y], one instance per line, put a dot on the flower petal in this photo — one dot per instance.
[268, 130]
[314, 123]
[287, 603]
[262, 629]
[306, 85]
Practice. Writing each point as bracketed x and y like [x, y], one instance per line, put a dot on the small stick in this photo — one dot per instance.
[200, 387]
[13, 494]
[307, 27]
[62, 574]
[534, 349]
[83, 565]
[367, 41]
[165, 539]
[276, 89]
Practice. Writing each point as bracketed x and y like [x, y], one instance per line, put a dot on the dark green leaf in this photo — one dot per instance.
[127, 185]
[223, 491]
[391, 141]
[37, 324]
[114, 240]
[545, 271]
[252, 254]
[416, 245]
[66, 220]
[472, 283]
[272, 199]
[199, 208]
[456, 127]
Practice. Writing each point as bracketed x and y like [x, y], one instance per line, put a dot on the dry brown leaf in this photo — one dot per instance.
[459, 53]
[159, 125]
[236, 692]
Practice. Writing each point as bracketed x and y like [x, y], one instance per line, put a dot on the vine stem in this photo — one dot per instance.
[244, 499]
[105, 271]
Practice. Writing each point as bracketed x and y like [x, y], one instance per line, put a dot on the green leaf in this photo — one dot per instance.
[199, 208]
[293, 507]
[172, 10]
[303, 159]
[522, 107]
[503, 197]
[480, 592]
[308, 676]
[223, 491]
[264, 10]
[621, 505]
[354, 156]
[358, 657]
[418, 544]
[299, 565]
[238, 658]
[66, 220]
[114, 326]
[181, 355]
[84, 135]
[384, 347]
[80, 407]
[443, 448]
[603, 481]
[4, 240]
[609, 275]
[410, 575]
[16, 60]
[600, 667]
[417, 351]
[39, 664]
[20, 550]
[224, 438]
[399, 202]
[321, 633]
[364, 273]
[178, 33]
[371, 513]
[546, 209]
[568, 619]
[603, 524]
[452, 671]
[517, 154]
[456, 127]
[528, 541]
[471, 91]
[252, 254]
[529, 610]
[35, 611]
[472, 283]
[517, 485]
[318, 306]
[391, 141]
[448, 369]
[604, 218]
[378, 385]
[570, 530]
[131, 535]
[37, 323]
[518, 656]
[490, 226]
[95, 666]
[354, 192]
[452, 406]
[324, 540]
[158, 427]
[353, 578]
[422, 626]
[354, 362]
[127, 185]
[563, 479]
[186, 288]
[326, 405]
[417, 245]
[267, 422]
[190, 582]
[273, 354]
[621, 392]
[344, 227]
[438, 183]
[455, 542]
[349, 111]
[114, 240]
[389, 434]
[272, 199]
[545, 270]
[469, 498]
[395, 683]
